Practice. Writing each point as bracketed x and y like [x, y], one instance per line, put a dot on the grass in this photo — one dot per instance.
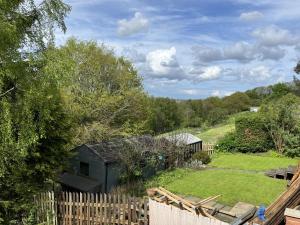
[214, 134]
[234, 186]
[251, 162]
[238, 177]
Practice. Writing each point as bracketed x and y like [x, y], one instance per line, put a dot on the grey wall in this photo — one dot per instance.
[113, 175]
[96, 165]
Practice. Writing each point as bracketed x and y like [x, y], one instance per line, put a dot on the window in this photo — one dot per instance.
[84, 168]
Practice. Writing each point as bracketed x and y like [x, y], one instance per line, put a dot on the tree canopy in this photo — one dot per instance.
[34, 129]
[104, 92]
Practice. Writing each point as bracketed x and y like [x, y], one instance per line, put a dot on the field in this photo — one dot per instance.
[236, 177]
[214, 133]
[251, 162]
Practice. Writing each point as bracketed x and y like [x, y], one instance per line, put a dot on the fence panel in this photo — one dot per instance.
[68, 208]
[162, 214]
[209, 148]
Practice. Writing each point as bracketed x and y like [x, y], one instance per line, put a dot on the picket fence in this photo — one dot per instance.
[68, 208]
[209, 148]
[162, 214]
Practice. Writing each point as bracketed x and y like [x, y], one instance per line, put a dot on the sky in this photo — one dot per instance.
[191, 49]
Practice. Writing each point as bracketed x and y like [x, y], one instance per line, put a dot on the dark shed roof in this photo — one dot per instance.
[108, 151]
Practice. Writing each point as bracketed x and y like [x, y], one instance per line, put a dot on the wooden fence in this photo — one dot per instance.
[162, 214]
[209, 148]
[87, 208]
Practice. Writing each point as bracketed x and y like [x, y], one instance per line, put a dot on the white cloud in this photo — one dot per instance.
[163, 63]
[259, 73]
[208, 73]
[241, 51]
[218, 93]
[273, 36]
[134, 25]
[191, 91]
[251, 16]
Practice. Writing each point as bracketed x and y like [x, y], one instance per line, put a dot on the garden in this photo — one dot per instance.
[236, 177]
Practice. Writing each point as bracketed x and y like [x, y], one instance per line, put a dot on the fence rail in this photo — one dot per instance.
[68, 208]
[209, 148]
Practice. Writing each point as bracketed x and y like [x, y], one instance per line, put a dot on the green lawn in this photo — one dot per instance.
[238, 177]
[214, 134]
[251, 162]
[234, 186]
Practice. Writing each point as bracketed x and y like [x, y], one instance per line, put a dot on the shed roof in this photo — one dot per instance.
[108, 151]
[183, 138]
[80, 183]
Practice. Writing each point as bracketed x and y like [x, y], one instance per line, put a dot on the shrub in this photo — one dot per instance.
[227, 143]
[201, 156]
[251, 134]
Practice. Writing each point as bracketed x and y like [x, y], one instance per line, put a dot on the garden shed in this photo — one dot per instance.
[186, 139]
[194, 143]
[98, 168]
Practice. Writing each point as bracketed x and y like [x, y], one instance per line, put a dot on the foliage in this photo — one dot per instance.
[165, 115]
[282, 121]
[205, 183]
[104, 92]
[251, 135]
[201, 156]
[35, 127]
[237, 102]
[227, 143]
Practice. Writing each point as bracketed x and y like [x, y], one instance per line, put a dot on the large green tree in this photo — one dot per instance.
[282, 120]
[104, 92]
[34, 128]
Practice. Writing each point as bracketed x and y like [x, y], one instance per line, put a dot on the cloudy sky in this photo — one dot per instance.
[195, 48]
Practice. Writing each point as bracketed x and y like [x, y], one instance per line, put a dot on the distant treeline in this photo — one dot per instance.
[169, 114]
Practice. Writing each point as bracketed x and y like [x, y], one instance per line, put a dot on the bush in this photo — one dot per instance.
[227, 143]
[201, 156]
[251, 134]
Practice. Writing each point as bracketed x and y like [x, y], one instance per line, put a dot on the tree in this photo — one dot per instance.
[297, 68]
[34, 129]
[104, 92]
[236, 102]
[282, 121]
[165, 115]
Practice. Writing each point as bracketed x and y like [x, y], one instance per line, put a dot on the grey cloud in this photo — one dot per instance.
[134, 55]
[206, 54]
[274, 36]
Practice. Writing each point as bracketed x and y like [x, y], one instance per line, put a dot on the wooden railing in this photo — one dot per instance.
[208, 147]
[68, 208]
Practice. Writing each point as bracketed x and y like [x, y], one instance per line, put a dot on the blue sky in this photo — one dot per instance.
[195, 48]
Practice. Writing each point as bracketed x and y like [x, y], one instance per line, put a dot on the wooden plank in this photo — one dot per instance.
[119, 209]
[80, 208]
[88, 208]
[145, 211]
[134, 219]
[115, 211]
[93, 208]
[129, 210]
[101, 208]
[96, 208]
[105, 209]
[123, 209]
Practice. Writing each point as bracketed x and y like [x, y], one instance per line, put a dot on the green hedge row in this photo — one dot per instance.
[250, 135]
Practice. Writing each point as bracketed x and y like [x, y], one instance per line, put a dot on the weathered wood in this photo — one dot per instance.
[88, 208]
